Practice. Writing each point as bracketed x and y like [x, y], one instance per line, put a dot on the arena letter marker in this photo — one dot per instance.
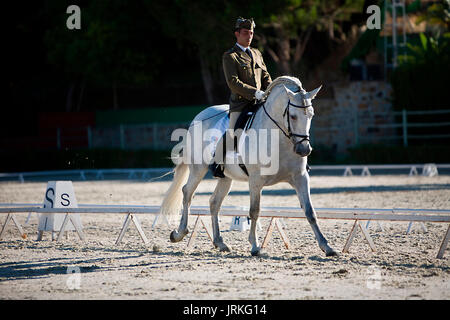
[59, 194]
[240, 223]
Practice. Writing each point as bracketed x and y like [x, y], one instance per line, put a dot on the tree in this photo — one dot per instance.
[202, 28]
[437, 14]
[283, 28]
[116, 44]
[111, 48]
[287, 30]
[421, 80]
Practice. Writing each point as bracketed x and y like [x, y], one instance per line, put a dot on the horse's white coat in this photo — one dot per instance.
[291, 165]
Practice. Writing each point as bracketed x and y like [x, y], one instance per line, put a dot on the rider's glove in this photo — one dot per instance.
[259, 95]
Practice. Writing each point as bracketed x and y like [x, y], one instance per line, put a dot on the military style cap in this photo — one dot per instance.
[242, 23]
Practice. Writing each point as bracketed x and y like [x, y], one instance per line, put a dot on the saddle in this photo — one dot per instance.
[244, 122]
[246, 117]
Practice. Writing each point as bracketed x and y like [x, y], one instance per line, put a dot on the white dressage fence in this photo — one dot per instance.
[427, 169]
[274, 213]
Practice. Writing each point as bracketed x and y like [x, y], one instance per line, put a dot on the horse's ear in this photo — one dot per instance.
[312, 94]
[289, 92]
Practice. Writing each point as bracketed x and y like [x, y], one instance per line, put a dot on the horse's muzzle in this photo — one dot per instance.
[303, 148]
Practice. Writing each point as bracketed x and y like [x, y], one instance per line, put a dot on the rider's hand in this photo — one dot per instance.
[259, 95]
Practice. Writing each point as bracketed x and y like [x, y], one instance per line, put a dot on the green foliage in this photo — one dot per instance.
[125, 44]
[109, 47]
[421, 80]
[206, 26]
[437, 14]
[365, 43]
[199, 27]
[298, 15]
[429, 50]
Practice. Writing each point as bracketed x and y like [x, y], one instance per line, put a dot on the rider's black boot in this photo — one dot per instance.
[217, 170]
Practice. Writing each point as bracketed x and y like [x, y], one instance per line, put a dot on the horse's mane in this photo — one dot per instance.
[292, 83]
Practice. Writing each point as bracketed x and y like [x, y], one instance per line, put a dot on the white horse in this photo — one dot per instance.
[288, 109]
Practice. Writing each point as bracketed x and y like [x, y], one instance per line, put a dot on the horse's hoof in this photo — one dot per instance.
[224, 248]
[176, 237]
[256, 252]
[173, 237]
[331, 253]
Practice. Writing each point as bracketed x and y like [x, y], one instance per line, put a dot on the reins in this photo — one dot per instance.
[289, 133]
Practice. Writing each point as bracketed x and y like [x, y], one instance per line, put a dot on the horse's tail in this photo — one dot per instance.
[173, 200]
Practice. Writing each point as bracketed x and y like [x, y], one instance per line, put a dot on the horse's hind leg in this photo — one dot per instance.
[196, 174]
[221, 191]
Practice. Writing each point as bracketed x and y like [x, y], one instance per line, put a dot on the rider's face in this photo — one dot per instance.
[244, 37]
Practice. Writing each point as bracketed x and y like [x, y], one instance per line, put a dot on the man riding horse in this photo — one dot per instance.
[287, 109]
[247, 77]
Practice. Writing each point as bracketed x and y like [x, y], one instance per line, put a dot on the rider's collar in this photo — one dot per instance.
[242, 48]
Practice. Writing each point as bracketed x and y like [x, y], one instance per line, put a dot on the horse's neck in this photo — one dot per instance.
[273, 106]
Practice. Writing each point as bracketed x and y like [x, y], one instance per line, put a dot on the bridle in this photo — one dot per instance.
[289, 133]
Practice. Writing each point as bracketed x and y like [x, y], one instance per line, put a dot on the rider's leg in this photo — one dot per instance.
[230, 142]
[233, 119]
[219, 157]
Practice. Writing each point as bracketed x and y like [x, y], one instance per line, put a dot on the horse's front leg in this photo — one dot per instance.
[255, 198]
[301, 185]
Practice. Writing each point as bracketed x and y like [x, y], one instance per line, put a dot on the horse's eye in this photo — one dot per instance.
[293, 117]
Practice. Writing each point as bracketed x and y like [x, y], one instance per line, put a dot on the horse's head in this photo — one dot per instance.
[297, 118]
